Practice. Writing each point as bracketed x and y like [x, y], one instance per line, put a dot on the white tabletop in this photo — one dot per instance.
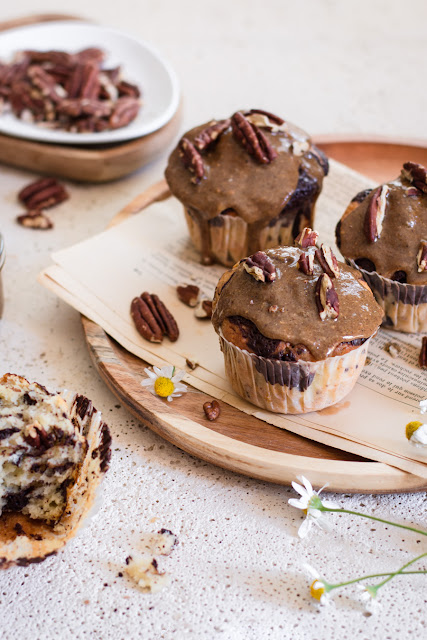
[331, 67]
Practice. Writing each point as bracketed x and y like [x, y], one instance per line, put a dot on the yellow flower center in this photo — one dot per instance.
[317, 590]
[164, 387]
[411, 427]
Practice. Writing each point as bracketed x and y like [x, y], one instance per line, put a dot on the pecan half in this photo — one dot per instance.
[42, 194]
[45, 83]
[375, 213]
[125, 110]
[252, 139]
[212, 409]
[416, 174]
[260, 267]
[422, 257]
[307, 238]
[271, 116]
[152, 319]
[188, 294]
[326, 298]
[203, 309]
[266, 120]
[209, 136]
[35, 219]
[192, 159]
[422, 360]
[306, 263]
[328, 261]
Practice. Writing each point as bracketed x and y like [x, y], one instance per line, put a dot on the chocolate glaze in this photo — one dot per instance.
[403, 228]
[297, 319]
[235, 181]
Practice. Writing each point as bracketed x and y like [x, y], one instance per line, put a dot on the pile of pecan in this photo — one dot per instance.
[42, 194]
[68, 91]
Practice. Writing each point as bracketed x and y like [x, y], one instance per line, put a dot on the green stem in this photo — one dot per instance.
[381, 575]
[364, 515]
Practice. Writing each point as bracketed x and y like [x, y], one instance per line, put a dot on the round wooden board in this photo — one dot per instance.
[237, 441]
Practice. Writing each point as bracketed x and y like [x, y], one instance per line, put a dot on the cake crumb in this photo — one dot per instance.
[393, 348]
[143, 570]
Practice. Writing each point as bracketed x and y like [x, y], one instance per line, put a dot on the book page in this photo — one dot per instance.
[151, 251]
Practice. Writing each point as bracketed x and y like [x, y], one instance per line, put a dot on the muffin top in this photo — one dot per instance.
[385, 229]
[250, 163]
[300, 295]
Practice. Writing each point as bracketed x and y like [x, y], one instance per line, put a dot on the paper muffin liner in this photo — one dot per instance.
[23, 540]
[228, 236]
[404, 305]
[292, 387]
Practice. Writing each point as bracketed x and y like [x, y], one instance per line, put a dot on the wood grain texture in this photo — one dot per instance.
[100, 163]
[237, 441]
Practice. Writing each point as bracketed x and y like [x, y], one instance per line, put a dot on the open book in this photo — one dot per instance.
[150, 251]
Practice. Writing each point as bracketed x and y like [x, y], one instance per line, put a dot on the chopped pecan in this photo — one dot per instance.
[203, 309]
[412, 192]
[192, 159]
[326, 298]
[191, 364]
[375, 213]
[328, 261]
[306, 263]
[35, 219]
[422, 360]
[209, 136]
[260, 267]
[152, 319]
[393, 348]
[252, 139]
[307, 238]
[273, 308]
[212, 409]
[416, 174]
[422, 256]
[188, 294]
[43, 193]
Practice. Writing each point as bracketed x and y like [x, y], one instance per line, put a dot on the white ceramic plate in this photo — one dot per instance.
[140, 64]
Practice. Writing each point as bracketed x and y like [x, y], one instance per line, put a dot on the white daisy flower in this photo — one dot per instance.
[423, 406]
[368, 596]
[319, 589]
[416, 432]
[311, 504]
[164, 382]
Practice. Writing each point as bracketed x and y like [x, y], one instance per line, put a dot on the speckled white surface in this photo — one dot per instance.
[237, 573]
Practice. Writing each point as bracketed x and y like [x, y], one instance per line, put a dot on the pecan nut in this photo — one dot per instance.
[328, 261]
[188, 294]
[375, 213]
[192, 159]
[306, 263]
[271, 118]
[307, 238]
[252, 139]
[416, 174]
[203, 309]
[209, 136]
[422, 256]
[422, 360]
[42, 194]
[260, 267]
[152, 318]
[35, 219]
[326, 298]
[125, 110]
[212, 409]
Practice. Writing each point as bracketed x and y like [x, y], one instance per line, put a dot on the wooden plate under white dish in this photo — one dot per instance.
[237, 441]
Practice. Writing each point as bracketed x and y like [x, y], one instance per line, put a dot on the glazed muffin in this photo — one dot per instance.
[383, 233]
[294, 326]
[247, 183]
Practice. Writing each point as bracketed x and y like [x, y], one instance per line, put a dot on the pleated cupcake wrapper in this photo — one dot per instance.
[404, 305]
[228, 240]
[292, 387]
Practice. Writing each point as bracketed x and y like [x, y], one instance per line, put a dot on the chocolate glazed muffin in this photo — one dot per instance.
[294, 326]
[249, 182]
[383, 233]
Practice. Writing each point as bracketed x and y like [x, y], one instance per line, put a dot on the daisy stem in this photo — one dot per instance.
[365, 515]
[391, 575]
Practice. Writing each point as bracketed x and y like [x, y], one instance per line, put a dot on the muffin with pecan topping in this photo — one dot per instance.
[294, 326]
[247, 183]
[383, 233]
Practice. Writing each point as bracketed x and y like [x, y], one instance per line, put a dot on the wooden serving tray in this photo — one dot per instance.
[237, 441]
[100, 163]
